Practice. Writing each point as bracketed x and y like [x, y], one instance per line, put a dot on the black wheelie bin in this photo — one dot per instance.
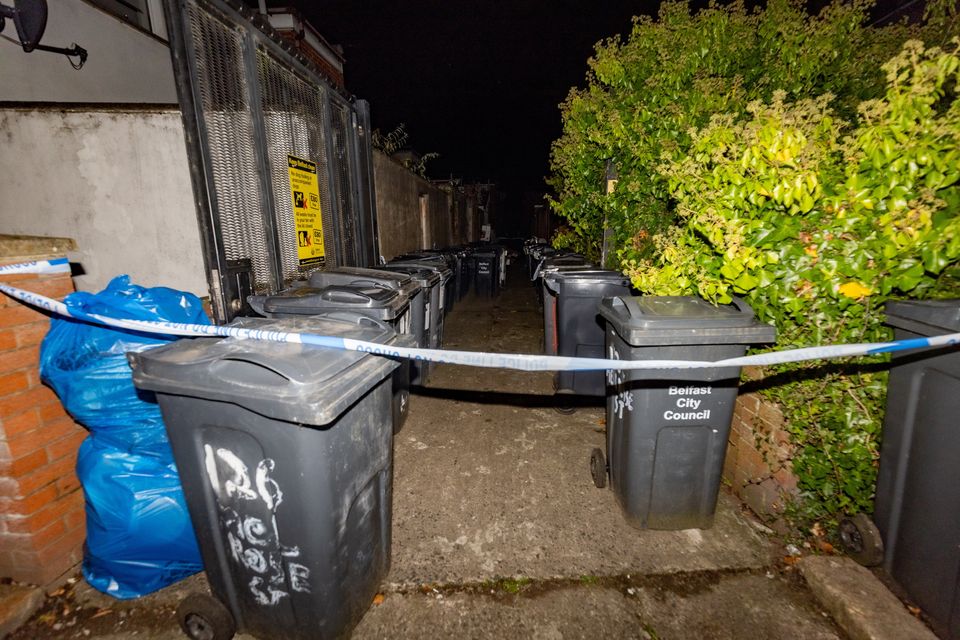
[407, 285]
[424, 313]
[285, 452]
[389, 306]
[917, 507]
[579, 327]
[486, 279]
[549, 289]
[440, 293]
[437, 260]
[667, 429]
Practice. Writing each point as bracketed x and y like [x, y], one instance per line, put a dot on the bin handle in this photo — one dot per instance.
[344, 294]
[370, 284]
[536, 272]
[357, 319]
[249, 370]
[742, 306]
[257, 304]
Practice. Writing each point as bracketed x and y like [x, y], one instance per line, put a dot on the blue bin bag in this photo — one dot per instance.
[139, 535]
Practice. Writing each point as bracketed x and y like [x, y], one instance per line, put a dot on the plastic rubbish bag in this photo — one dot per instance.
[139, 535]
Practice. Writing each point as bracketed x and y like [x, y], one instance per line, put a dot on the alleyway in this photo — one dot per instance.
[498, 528]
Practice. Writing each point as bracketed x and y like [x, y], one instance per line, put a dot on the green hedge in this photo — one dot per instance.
[771, 155]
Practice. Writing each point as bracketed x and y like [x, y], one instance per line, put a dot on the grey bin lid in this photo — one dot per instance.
[285, 381]
[423, 257]
[569, 258]
[590, 274]
[358, 277]
[925, 317]
[679, 320]
[438, 266]
[385, 304]
[547, 273]
[425, 276]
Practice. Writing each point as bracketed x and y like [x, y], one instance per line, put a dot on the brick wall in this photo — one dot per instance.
[757, 466]
[41, 504]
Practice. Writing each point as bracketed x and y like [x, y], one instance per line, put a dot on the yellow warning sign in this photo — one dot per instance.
[305, 196]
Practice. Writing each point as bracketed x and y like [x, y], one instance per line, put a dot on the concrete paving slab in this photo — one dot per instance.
[859, 602]
[733, 608]
[566, 613]
[491, 481]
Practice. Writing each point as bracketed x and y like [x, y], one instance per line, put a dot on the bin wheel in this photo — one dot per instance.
[861, 540]
[562, 409]
[203, 617]
[598, 468]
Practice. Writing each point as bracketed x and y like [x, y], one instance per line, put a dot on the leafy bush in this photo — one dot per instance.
[645, 93]
[770, 154]
[816, 233]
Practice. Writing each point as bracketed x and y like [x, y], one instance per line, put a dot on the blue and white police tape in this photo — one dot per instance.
[522, 362]
[57, 265]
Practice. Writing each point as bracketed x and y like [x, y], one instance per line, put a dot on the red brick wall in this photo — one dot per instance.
[311, 54]
[41, 504]
[757, 467]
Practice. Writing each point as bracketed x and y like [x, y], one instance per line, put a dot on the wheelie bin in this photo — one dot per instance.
[486, 281]
[917, 506]
[437, 260]
[548, 290]
[357, 277]
[424, 311]
[389, 306]
[438, 303]
[407, 285]
[667, 429]
[553, 263]
[580, 329]
[467, 268]
[285, 454]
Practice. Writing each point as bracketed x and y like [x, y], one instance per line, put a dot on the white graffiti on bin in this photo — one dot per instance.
[253, 543]
[622, 399]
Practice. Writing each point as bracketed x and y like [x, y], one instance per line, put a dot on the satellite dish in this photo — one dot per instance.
[30, 19]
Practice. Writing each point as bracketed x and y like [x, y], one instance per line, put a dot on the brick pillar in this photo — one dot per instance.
[41, 504]
[758, 466]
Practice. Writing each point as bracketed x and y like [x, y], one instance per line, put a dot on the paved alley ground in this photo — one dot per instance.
[498, 529]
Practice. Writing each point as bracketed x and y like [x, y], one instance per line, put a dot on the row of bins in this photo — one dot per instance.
[286, 449]
[667, 429]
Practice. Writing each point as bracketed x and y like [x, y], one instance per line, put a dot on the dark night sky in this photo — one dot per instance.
[477, 81]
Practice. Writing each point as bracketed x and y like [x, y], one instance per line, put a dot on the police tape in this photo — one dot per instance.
[57, 265]
[518, 361]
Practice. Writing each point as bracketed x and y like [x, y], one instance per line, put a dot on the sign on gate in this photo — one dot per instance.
[305, 197]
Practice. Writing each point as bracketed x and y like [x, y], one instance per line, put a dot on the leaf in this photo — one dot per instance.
[745, 282]
[854, 290]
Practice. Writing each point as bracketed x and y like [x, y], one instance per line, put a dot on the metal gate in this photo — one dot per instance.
[249, 103]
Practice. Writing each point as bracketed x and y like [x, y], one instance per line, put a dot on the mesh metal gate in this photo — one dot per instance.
[249, 101]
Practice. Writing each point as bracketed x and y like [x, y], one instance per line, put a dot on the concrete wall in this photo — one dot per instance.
[115, 181]
[413, 213]
[125, 64]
